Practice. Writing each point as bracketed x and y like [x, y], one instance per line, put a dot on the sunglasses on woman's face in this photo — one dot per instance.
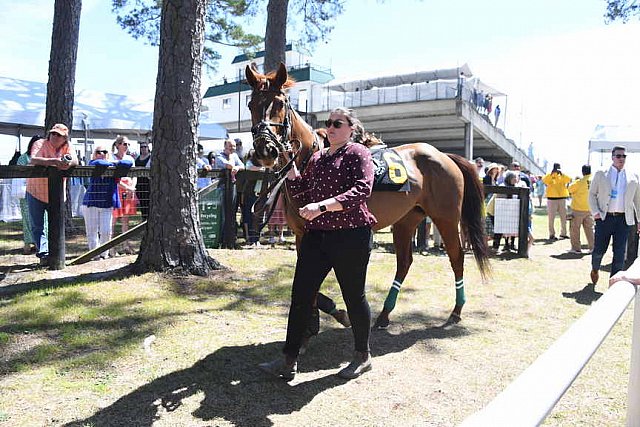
[101, 152]
[335, 123]
[123, 143]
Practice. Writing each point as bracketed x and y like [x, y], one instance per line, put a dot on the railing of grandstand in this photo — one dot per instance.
[531, 397]
[413, 92]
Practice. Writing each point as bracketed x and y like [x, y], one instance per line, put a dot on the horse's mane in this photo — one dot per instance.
[368, 139]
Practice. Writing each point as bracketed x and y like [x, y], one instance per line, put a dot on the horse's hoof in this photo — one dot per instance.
[453, 319]
[381, 323]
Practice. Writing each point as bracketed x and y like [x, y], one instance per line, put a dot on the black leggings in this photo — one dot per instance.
[347, 252]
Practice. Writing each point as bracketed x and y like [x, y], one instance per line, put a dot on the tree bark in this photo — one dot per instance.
[62, 63]
[173, 239]
[275, 40]
[62, 73]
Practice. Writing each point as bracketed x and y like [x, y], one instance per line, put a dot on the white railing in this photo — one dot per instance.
[532, 396]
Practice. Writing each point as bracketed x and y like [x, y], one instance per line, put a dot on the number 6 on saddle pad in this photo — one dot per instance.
[390, 173]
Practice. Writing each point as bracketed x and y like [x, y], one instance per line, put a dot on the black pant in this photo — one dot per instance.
[347, 252]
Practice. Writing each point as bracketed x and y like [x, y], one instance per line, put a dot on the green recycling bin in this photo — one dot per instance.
[210, 204]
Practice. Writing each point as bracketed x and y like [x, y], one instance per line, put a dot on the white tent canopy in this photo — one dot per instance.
[23, 104]
[605, 137]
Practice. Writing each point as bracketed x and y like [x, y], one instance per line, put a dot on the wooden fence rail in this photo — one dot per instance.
[56, 197]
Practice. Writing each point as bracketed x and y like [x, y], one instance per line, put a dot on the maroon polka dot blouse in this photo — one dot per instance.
[346, 175]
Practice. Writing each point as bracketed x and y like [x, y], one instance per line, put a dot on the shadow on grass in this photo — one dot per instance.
[10, 291]
[585, 296]
[44, 337]
[234, 389]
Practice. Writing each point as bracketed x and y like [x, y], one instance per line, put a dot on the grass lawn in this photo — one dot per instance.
[95, 345]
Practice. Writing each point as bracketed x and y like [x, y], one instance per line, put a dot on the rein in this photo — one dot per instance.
[262, 131]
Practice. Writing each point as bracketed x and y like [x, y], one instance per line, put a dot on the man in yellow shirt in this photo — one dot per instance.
[557, 195]
[579, 191]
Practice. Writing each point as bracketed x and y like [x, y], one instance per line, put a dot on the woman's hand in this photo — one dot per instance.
[310, 211]
[60, 164]
[293, 172]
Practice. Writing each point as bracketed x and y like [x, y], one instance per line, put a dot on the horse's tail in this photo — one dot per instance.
[473, 213]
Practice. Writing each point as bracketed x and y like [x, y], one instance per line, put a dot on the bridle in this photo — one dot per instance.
[264, 134]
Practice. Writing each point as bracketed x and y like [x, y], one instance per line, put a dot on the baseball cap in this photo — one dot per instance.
[61, 129]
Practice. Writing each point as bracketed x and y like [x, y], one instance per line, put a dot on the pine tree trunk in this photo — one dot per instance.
[173, 239]
[62, 63]
[275, 40]
[62, 76]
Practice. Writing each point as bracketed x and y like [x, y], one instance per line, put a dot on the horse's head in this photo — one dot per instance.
[270, 113]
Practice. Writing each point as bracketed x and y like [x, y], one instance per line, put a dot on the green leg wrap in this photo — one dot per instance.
[460, 298]
[392, 296]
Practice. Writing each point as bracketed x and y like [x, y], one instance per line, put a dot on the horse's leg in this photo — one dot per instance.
[403, 231]
[451, 238]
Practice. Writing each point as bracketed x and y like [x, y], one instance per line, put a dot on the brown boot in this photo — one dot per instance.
[594, 277]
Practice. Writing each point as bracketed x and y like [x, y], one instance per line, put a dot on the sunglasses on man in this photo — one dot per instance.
[620, 156]
[101, 152]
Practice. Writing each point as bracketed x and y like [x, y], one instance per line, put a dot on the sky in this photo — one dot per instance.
[564, 70]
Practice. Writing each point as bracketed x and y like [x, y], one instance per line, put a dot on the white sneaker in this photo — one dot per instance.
[282, 239]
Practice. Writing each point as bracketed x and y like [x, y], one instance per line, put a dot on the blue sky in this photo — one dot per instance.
[563, 69]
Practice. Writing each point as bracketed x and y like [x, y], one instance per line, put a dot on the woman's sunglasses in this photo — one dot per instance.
[336, 123]
[123, 143]
[101, 152]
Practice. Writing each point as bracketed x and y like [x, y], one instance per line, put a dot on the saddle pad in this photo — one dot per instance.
[389, 171]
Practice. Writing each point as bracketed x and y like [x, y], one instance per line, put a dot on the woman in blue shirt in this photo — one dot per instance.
[100, 200]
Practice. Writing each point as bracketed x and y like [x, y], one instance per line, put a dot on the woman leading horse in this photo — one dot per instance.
[444, 187]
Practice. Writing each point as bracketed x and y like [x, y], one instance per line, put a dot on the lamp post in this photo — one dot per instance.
[239, 95]
[85, 126]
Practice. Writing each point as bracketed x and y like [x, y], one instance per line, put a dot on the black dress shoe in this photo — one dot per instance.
[280, 369]
[343, 318]
[360, 364]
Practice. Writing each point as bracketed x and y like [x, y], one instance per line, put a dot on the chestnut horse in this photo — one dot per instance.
[444, 187]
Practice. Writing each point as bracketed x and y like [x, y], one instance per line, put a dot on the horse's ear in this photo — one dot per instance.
[281, 76]
[251, 76]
